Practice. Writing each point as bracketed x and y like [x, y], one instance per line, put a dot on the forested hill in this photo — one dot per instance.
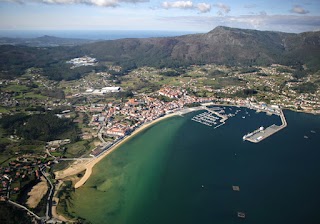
[222, 45]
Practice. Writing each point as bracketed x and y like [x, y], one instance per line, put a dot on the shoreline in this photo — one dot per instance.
[89, 166]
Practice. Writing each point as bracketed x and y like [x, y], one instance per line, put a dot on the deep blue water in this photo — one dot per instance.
[182, 172]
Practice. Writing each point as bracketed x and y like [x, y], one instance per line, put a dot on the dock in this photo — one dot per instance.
[262, 133]
[206, 118]
[212, 117]
[218, 113]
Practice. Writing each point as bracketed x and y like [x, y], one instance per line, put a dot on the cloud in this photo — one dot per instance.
[178, 4]
[223, 8]
[282, 23]
[204, 7]
[299, 9]
[101, 3]
[201, 7]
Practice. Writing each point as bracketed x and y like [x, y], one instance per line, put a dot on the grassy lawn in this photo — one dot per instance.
[4, 110]
[33, 95]
[61, 165]
[78, 148]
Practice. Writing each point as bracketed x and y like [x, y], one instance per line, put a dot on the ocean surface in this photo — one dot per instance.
[182, 172]
[92, 34]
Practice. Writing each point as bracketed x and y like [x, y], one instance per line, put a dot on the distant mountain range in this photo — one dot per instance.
[44, 41]
[222, 45]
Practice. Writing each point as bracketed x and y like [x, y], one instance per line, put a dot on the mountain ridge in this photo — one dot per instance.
[222, 45]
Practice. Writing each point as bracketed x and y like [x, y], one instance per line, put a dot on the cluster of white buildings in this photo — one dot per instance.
[104, 90]
[83, 61]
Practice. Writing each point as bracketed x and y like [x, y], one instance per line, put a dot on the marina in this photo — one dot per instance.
[206, 118]
[214, 116]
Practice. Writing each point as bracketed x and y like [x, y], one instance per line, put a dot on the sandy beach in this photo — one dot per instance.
[88, 165]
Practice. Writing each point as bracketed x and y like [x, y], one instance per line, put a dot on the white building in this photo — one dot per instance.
[111, 89]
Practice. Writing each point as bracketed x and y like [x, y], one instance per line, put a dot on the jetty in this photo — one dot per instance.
[263, 133]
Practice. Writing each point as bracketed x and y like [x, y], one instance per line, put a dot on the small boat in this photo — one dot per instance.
[305, 136]
[243, 117]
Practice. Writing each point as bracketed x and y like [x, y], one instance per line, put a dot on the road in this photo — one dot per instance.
[24, 208]
[49, 200]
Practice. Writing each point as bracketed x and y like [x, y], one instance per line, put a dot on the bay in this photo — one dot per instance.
[180, 171]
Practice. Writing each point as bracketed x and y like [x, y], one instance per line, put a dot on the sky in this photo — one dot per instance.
[191, 15]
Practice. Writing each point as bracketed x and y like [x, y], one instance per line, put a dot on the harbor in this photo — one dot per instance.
[262, 133]
[216, 117]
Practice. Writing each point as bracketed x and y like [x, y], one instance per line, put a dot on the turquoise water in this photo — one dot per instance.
[180, 171]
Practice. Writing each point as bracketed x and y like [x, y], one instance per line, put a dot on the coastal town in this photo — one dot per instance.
[108, 109]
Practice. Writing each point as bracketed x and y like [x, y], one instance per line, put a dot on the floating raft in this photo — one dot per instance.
[236, 188]
[241, 215]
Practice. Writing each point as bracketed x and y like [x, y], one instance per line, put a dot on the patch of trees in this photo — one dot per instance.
[281, 69]
[124, 94]
[249, 92]
[12, 215]
[36, 108]
[54, 93]
[216, 73]
[62, 71]
[298, 74]
[164, 98]
[43, 127]
[246, 93]
[170, 73]
[250, 70]
[307, 87]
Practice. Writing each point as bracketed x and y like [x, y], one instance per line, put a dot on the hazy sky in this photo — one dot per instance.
[195, 15]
